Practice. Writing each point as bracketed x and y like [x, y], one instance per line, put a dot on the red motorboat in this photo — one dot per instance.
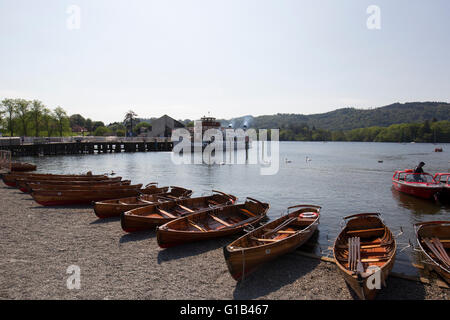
[421, 185]
[444, 180]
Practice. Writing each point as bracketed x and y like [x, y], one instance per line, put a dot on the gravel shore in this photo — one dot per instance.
[38, 244]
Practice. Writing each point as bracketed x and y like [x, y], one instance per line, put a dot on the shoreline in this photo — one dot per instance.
[40, 243]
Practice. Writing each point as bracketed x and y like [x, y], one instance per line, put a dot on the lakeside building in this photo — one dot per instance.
[163, 127]
[206, 123]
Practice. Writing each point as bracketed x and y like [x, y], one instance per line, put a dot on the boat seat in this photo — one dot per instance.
[286, 231]
[234, 220]
[247, 213]
[220, 220]
[364, 230]
[281, 231]
[167, 214]
[264, 240]
[185, 208]
[368, 245]
[196, 226]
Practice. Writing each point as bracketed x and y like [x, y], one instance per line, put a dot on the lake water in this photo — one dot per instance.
[342, 177]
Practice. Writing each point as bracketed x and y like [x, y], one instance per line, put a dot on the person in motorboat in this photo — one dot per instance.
[418, 170]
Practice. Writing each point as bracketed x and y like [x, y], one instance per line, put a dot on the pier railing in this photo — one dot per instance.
[6, 141]
[82, 145]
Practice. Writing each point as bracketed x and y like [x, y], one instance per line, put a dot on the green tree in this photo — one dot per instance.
[89, 125]
[61, 119]
[36, 114]
[77, 120]
[97, 124]
[139, 126]
[9, 108]
[23, 113]
[130, 116]
[101, 131]
[48, 121]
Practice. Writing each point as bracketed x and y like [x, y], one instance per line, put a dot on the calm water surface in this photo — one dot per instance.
[343, 177]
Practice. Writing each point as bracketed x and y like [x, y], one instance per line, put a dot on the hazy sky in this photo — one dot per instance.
[229, 57]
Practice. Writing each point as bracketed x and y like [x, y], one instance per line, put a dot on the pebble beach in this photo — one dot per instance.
[38, 244]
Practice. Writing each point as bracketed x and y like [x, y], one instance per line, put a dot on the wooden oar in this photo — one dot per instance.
[359, 266]
[350, 252]
[281, 226]
[444, 256]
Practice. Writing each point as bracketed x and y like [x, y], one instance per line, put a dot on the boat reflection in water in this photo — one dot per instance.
[416, 205]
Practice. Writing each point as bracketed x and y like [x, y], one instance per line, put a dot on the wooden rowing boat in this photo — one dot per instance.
[28, 185]
[365, 253]
[69, 197]
[10, 178]
[86, 187]
[211, 223]
[433, 238]
[175, 192]
[113, 208]
[271, 240]
[150, 216]
[23, 166]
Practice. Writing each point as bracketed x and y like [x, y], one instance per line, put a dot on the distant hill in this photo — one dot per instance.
[350, 118]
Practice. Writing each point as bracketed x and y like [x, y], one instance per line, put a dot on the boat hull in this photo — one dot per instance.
[241, 261]
[148, 217]
[179, 231]
[132, 223]
[10, 179]
[72, 197]
[109, 210]
[22, 167]
[27, 186]
[30, 187]
[170, 238]
[440, 230]
[380, 252]
[423, 192]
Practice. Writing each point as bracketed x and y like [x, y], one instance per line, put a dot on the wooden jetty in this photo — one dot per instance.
[67, 146]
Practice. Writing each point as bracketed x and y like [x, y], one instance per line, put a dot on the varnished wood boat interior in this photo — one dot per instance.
[227, 217]
[175, 192]
[285, 227]
[377, 244]
[365, 247]
[143, 199]
[177, 208]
